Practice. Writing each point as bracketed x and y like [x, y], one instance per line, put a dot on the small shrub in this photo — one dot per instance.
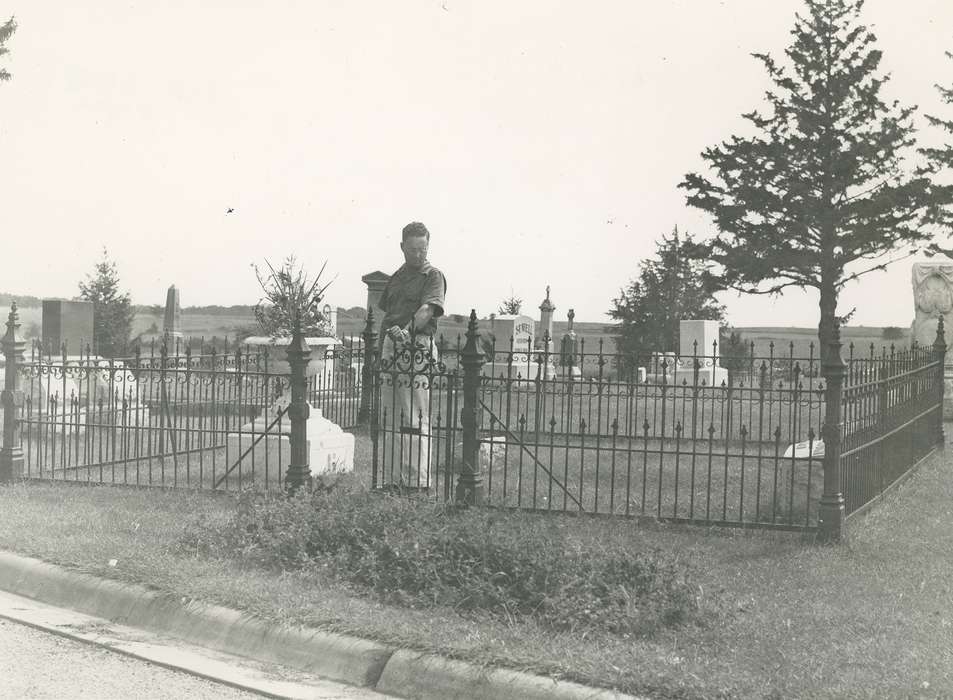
[892, 333]
[419, 554]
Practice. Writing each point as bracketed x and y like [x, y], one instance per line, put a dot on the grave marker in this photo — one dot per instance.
[69, 322]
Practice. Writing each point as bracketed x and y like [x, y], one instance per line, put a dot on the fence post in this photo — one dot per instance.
[831, 516]
[367, 371]
[11, 453]
[470, 483]
[939, 350]
[299, 469]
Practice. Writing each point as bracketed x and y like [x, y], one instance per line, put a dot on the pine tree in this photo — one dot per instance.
[941, 159]
[512, 305]
[821, 194]
[6, 31]
[112, 310]
[670, 287]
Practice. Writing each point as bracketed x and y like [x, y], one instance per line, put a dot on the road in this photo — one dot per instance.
[35, 664]
[50, 652]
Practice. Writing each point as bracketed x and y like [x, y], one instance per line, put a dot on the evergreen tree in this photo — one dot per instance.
[511, 305]
[820, 195]
[6, 31]
[941, 159]
[112, 310]
[670, 287]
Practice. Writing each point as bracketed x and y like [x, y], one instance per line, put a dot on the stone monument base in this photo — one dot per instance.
[330, 449]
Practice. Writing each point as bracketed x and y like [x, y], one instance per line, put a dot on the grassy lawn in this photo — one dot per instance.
[781, 617]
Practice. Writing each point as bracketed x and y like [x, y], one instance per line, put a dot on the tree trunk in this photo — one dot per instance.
[828, 306]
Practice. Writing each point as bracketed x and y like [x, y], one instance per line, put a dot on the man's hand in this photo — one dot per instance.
[398, 335]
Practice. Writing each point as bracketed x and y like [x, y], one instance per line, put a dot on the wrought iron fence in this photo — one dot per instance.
[892, 410]
[672, 437]
[771, 441]
[204, 420]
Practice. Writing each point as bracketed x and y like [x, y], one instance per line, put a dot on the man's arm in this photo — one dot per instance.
[421, 317]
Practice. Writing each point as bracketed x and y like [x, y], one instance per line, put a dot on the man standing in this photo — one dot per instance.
[412, 301]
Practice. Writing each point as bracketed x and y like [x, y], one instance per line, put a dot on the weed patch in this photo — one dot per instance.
[419, 554]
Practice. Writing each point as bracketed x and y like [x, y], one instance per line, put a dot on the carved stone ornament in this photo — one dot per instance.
[933, 288]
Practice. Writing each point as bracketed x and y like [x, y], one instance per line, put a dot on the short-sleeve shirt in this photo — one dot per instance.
[409, 289]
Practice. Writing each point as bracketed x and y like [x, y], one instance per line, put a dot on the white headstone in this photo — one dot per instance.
[932, 298]
[522, 330]
[705, 333]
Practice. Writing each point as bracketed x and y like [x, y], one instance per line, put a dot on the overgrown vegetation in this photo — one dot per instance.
[418, 554]
[290, 302]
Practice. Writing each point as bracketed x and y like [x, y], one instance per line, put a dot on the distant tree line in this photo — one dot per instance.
[22, 300]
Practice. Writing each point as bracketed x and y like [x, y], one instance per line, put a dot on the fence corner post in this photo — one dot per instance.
[298, 473]
[11, 453]
[831, 515]
[367, 371]
[470, 483]
[939, 349]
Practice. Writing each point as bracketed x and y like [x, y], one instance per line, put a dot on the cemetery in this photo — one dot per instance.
[414, 483]
[560, 426]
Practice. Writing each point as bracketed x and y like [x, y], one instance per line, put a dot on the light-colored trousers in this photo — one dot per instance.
[405, 412]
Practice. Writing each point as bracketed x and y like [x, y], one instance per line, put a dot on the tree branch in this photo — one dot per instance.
[875, 268]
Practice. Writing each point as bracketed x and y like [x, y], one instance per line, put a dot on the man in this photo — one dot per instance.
[412, 301]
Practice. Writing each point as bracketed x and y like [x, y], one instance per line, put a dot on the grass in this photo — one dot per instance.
[781, 618]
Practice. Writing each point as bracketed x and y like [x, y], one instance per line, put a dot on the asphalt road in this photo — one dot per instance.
[35, 664]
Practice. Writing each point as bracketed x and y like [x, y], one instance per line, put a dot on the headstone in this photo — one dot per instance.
[522, 330]
[569, 350]
[932, 298]
[375, 281]
[103, 390]
[330, 449]
[699, 337]
[805, 449]
[172, 324]
[546, 309]
[545, 340]
[69, 322]
[704, 333]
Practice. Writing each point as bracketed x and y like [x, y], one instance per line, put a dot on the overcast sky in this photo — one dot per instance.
[541, 142]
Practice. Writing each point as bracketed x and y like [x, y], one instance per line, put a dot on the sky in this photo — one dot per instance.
[541, 142]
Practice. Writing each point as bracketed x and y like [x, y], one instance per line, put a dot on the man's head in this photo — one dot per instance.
[415, 239]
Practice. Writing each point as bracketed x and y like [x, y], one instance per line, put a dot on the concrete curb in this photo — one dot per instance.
[337, 657]
[411, 674]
